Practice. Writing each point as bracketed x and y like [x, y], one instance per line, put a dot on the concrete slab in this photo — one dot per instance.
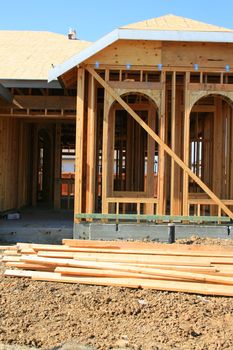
[38, 225]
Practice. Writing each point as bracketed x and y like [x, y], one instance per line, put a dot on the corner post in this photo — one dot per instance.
[79, 142]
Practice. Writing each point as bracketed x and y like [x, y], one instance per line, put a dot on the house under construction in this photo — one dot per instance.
[146, 111]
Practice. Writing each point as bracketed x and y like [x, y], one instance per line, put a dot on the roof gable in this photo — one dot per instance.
[158, 29]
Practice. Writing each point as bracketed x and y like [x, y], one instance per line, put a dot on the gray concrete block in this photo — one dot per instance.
[149, 232]
[213, 231]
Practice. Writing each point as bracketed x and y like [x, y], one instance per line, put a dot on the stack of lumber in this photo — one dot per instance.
[182, 268]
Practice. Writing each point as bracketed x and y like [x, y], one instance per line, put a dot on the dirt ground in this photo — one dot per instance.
[46, 315]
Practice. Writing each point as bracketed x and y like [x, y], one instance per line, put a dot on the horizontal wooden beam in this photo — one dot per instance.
[166, 68]
[41, 116]
[164, 218]
[207, 201]
[203, 109]
[135, 85]
[131, 200]
[44, 102]
[210, 87]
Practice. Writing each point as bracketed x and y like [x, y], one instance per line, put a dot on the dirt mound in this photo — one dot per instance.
[47, 315]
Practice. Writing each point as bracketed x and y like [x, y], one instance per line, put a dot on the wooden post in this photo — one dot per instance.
[162, 133]
[173, 199]
[149, 208]
[105, 159]
[217, 149]
[91, 146]
[79, 141]
[186, 144]
[57, 167]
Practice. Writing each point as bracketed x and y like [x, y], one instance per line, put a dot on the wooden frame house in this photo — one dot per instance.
[154, 125]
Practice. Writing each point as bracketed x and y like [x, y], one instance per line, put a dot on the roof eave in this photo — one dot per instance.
[30, 83]
[135, 34]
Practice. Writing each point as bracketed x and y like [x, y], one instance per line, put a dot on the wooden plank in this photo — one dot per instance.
[135, 52]
[212, 57]
[176, 286]
[7, 258]
[154, 273]
[210, 87]
[161, 161]
[46, 102]
[173, 197]
[186, 147]
[8, 247]
[141, 260]
[164, 218]
[131, 200]
[143, 251]
[134, 258]
[79, 142]
[91, 146]
[135, 85]
[25, 266]
[143, 245]
[73, 271]
[217, 146]
[163, 145]
[105, 180]
[150, 176]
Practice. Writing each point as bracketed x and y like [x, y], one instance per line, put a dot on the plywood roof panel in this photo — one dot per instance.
[30, 55]
[172, 22]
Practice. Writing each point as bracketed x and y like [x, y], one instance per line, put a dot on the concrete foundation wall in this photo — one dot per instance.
[147, 231]
[35, 235]
[50, 235]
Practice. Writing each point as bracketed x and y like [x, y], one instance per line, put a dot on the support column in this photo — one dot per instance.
[91, 146]
[149, 208]
[106, 178]
[186, 144]
[217, 149]
[79, 142]
[162, 133]
[175, 194]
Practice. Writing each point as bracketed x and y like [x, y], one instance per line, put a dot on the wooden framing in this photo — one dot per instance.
[122, 166]
[186, 143]
[79, 140]
[162, 135]
[91, 146]
[164, 146]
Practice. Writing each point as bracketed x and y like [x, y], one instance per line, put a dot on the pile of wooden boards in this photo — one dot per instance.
[182, 268]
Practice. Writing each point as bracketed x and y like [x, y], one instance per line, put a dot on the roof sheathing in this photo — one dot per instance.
[177, 23]
[28, 55]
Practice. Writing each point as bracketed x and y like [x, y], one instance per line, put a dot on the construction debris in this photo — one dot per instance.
[191, 269]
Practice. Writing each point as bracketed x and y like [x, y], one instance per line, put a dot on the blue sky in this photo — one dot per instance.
[95, 18]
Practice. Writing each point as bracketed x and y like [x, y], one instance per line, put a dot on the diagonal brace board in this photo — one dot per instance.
[162, 144]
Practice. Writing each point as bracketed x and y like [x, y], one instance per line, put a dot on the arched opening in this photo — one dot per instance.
[211, 146]
[132, 154]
